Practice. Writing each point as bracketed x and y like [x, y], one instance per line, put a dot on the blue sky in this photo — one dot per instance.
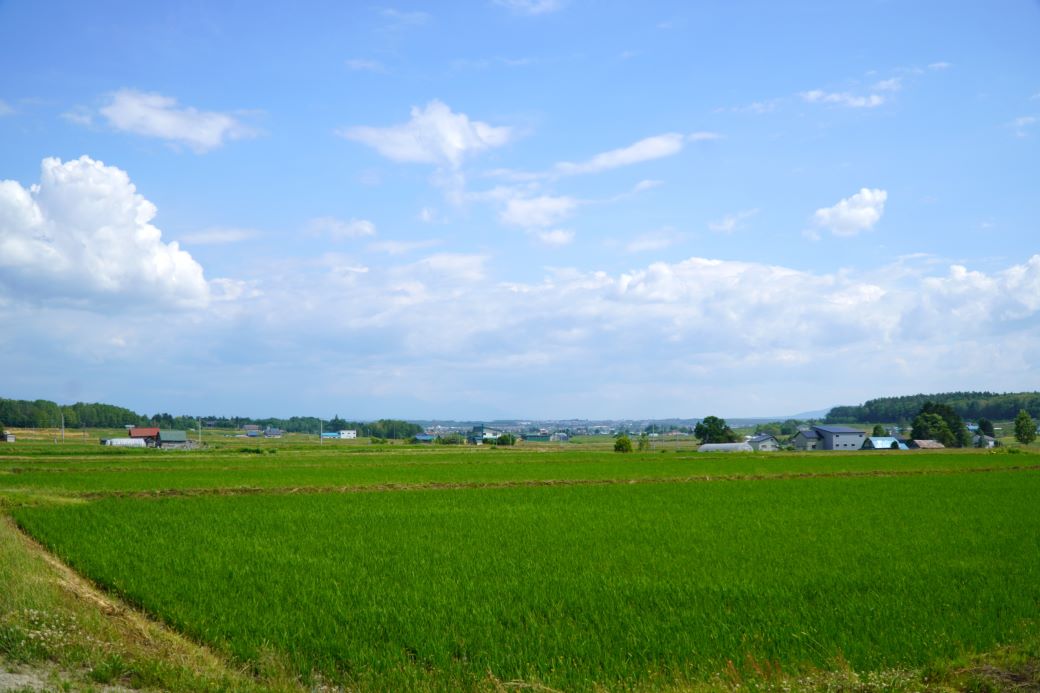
[517, 208]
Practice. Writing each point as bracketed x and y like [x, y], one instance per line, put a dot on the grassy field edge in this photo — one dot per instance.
[57, 625]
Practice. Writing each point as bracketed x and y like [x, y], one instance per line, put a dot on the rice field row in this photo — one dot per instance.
[157, 471]
[576, 586]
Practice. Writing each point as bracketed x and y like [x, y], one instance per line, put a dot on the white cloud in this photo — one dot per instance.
[843, 98]
[155, 115]
[893, 84]
[401, 247]
[531, 7]
[940, 66]
[541, 211]
[364, 65]
[647, 149]
[338, 229]
[647, 184]
[1023, 125]
[434, 135]
[555, 237]
[854, 214]
[5, 108]
[218, 236]
[654, 240]
[402, 18]
[79, 116]
[731, 222]
[83, 235]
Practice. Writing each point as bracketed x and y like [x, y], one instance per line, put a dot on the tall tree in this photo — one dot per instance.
[879, 431]
[986, 428]
[1025, 428]
[959, 432]
[932, 427]
[712, 429]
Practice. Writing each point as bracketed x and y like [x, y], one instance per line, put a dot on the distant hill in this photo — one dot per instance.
[969, 405]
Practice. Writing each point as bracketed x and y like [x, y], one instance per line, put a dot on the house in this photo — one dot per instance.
[764, 443]
[926, 445]
[884, 443]
[6, 437]
[149, 435]
[725, 447]
[347, 435]
[272, 432]
[840, 437]
[805, 440]
[174, 439]
[984, 441]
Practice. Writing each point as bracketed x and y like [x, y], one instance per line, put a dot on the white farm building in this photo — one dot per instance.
[725, 447]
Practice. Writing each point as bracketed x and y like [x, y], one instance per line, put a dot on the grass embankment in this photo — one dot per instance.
[621, 585]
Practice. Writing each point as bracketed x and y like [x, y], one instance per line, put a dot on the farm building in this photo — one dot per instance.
[174, 439]
[330, 435]
[424, 438]
[806, 440]
[926, 444]
[271, 432]
[725, 447]
[348, 435]
[537, 437]
[884, 443]
[840, 437]
[983, 441]
[124, 442]
[764, 443]
[149, 435]
[6, 437]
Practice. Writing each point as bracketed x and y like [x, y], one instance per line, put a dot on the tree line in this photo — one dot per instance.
[967, 405]
[43, 413]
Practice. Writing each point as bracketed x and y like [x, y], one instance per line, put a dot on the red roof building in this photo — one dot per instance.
[144, 433]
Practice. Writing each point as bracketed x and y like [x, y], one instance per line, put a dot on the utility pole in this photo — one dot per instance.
[320, 432]
[198, 422]
[63, 427]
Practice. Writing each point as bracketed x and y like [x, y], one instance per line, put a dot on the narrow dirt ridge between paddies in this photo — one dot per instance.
[533, 483]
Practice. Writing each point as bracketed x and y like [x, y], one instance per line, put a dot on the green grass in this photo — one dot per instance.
[311, 467]
[619, 585]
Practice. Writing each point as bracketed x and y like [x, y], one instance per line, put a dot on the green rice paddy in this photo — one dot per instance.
[572, 569]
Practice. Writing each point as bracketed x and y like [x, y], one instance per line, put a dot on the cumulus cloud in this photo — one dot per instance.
[83, 234]
[155, 115]
[339, 229]
[434, 135]
[854, 214]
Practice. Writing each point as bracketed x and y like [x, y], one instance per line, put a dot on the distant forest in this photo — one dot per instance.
[969, 405]
[42, 413]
